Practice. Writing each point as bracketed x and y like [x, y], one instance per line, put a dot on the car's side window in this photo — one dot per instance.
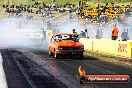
[58, 37]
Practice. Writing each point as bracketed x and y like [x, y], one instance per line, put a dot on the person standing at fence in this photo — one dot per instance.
[127, 34]
[86, 32]
[99, 34]
[114, 32]
[74, 32]
[124, 35]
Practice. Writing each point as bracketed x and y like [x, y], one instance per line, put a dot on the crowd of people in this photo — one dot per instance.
[16, 10]
[99, 34]
[104, 13]
[83, 34]
[37, 8]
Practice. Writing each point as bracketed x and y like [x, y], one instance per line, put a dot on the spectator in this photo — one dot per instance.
[101, 34]
[127, 34]
[82, 34]
[70, 13]
[74, 32]
[86, 33]
[75, 35]
[114, 32]
[98, 36]
[124, 35]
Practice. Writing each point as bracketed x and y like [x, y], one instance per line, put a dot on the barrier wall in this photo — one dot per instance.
[121, 48]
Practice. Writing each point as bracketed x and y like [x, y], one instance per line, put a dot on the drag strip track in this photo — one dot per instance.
[14, 76]
[46, 72]
[66, 70]
[38, 78]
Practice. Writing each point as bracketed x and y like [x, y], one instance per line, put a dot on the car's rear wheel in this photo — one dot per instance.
[50, 53]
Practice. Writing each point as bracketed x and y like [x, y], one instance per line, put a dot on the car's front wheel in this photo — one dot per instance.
[50, 53]
[56, 55]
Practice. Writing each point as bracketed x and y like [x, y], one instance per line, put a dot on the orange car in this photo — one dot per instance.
[65, 44]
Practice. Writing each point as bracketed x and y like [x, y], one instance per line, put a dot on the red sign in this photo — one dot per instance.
[122, 48]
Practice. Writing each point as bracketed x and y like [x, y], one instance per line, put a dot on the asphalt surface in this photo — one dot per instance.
[66, 69]
[22, 72]
[14, 76]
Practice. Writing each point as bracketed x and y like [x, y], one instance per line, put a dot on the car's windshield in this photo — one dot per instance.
[66, 37]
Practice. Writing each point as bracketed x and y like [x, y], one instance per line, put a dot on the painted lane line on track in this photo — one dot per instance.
[3, 82]
[25, 74]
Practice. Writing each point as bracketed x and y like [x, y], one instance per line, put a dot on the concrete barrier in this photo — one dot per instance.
[120, 48]
[88, 43]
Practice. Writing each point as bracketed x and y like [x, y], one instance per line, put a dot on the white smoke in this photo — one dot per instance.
[21, 33]
[79, 25]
